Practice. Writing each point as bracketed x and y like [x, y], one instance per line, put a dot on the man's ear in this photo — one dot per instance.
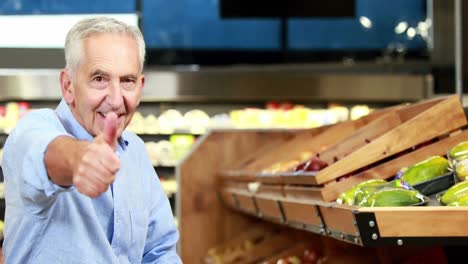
[142, 82]
[67, 88]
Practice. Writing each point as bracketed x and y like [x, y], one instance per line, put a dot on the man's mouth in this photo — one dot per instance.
[103, 115]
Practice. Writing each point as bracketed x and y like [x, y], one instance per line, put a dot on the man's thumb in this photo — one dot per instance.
[110, 129]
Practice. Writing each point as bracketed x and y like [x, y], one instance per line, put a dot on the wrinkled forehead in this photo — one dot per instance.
[111, 52]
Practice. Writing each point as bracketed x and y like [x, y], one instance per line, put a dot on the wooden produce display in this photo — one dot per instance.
[283, 155]
[233, 163]
[377, 146]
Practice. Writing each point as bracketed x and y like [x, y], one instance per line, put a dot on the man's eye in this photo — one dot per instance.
[98, 78]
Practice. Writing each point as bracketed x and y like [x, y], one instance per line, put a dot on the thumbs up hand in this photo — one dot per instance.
[99, 162]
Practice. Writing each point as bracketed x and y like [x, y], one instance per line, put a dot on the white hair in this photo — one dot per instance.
[88, 26]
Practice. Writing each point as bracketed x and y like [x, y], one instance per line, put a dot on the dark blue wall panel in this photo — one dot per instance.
[196, 24]
[23, 7]
[350, 34]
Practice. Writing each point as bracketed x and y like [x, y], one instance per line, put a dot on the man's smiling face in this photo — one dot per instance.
[108, 79]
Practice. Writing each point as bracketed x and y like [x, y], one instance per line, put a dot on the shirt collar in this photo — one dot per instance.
[75, 129]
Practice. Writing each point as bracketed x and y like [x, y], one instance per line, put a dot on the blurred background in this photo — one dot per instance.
[236, 64]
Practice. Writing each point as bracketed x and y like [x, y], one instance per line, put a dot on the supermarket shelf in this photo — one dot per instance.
[238, 83]
[301, 205]
[369, 227]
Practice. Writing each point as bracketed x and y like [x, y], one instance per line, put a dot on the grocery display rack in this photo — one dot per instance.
[378, 226]
[231, 162]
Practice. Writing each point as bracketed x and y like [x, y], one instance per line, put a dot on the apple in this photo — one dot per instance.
[315, 164]
[300, 167]
[287, 106]
[310, 256]
[273, 105]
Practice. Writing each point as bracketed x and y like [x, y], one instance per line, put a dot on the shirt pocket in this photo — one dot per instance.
[139, 229]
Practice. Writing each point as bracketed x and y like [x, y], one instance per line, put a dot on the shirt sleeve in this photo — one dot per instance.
[162, 233]
[24, 153]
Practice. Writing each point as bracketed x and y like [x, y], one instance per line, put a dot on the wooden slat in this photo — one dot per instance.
[246, 203]
[441, 118]
[376, 114]
[313, 144]
[301, 213]
[302, 193]
[390, 168]
[228, 198]
[267, 190]
[424, 221]
[300, 178]
[339, 218]
[412, 110]
[269, 208]
[361, 137]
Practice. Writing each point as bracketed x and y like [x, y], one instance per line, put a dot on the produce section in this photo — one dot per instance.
[416, 140]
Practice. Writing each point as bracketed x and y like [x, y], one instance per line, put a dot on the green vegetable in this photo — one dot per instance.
[426, 170]
[393, 197]
[348, 197]
[453, 193]
[461, 201]
[461, 169]
[459, 151]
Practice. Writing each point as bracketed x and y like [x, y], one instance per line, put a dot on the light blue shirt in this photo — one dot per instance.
[131, 222]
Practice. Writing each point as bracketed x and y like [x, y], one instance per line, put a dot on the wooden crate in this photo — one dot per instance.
[339, 149]
[388, 169]
[394, 132]
[287, 153]
[426, 120]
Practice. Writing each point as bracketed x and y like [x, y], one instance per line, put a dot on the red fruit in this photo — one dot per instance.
[315, 164]
[272, 105]
[287, 106]
[344, 177]
[282, 261]
[300, 167]
[310, 256]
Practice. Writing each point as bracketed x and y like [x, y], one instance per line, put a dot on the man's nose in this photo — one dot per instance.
[114, 96]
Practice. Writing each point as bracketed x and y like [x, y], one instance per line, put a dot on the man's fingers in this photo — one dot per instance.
[110, 163]
[86, 188]
[110, 129]
[94, 175]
